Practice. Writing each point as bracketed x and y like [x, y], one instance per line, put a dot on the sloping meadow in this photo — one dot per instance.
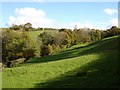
[93, 65]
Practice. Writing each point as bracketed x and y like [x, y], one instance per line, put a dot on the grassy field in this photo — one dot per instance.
[34, 34]
[65, 69]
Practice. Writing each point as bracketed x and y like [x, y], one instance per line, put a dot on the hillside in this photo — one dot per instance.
[81, 66]
[34, 34]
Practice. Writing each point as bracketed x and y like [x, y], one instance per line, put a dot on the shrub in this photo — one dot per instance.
[45, 51]
[28, 53]
[30, 47]
[56, 48]
[17, 45]
[12, 45]
[46, 38]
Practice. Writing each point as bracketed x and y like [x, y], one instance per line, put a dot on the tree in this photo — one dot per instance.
[46, 38]
[114, 30]
[14, 27]
[28, 27]
[45, 51]
[12, 45]
[69, 37]
[16, 45]
[82, 36]
[110, 32]
[95, 35]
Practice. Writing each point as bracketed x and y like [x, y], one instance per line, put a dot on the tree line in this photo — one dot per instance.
[16, 43]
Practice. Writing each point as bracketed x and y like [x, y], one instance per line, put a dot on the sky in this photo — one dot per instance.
[98, 15]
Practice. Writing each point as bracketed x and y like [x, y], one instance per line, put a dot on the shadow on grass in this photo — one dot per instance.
[101, 73]
[98, 46]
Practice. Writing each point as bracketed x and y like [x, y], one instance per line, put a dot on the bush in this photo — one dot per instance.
[12, 45]
[56, 48]
[46, 38]
[27, 54]
[45, 51]
[17, 45]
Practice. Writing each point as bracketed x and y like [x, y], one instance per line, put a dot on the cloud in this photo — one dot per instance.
[110, 11]
[84, 25]
[31, 15]
[114, 22]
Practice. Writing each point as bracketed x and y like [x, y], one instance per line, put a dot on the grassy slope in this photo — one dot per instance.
[34, 34]
[100, 60]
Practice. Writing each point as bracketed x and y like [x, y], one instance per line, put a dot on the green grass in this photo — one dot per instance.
[99, 60]
[34, 34]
